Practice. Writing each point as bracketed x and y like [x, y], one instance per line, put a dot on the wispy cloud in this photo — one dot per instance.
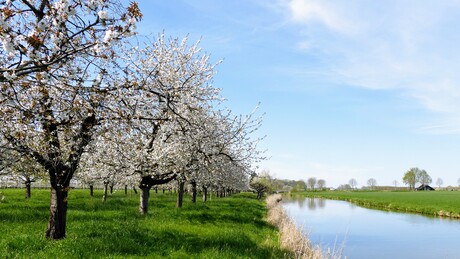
[318, 11]
[409, 46]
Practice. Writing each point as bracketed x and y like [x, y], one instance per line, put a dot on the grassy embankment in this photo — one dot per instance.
[232, 227]
[435, 203]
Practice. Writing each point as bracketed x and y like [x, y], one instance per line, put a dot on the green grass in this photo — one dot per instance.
[435, 203]
[230, 227]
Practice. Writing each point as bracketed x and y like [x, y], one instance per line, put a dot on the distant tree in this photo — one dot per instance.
[352, 182]
[21, 167]
[439, 182]
[372, 183]
[414, 176]
[458, 182]
[279, 184]
[395, 183]
[311, 183]
[344, 187]
[423, 177]
[410, 177]
[300, 186]
[261, 183]
[321, 184]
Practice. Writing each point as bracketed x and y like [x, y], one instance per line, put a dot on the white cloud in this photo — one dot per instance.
[316, 11]
[409, 46]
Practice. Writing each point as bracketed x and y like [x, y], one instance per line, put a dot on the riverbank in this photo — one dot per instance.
[291, 236]
[232, 227]
[433, 203]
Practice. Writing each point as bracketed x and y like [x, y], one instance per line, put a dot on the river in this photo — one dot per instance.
[368, 233]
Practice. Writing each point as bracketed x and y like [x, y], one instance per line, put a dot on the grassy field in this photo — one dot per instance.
[436, 203]
[230, 227]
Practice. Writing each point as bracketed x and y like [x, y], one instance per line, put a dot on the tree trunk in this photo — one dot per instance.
[58, 213]
[126, 189]
[144, 200]
[28, 184]
[111, 189]
[146, 184]
[134, 189]
[104, 197]
[193, 191]
[91, 190]
[163, 190]
[205, 194]
[180, 194]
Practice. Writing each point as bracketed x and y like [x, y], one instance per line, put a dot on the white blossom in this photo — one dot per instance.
[8, 46]
[102, 15]
[9, 75]
[110, 34]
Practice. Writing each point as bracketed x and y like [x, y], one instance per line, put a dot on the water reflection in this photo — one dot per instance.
[374, 233]
[321, 203]
[312, 203]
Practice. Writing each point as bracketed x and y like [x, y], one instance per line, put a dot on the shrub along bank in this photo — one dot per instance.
[435, 203]
[232, 227]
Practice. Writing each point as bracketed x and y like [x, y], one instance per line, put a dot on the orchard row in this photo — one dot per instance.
[83, 97]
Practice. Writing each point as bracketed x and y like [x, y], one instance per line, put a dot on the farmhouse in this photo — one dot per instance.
[425, 187]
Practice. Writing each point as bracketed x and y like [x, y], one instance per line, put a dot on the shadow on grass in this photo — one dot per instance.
[221, 228]
[163, 243]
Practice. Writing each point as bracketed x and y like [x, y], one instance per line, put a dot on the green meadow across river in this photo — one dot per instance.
[231, 227]
[435, 203]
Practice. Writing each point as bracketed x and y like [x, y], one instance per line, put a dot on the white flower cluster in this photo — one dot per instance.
[110, 35]
[150, 110]
[103, 15]
[7, 45]
[62, 6]
[96, 4]
[9, 75]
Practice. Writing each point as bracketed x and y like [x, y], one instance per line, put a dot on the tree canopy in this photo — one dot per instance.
[416, 175]
[81, 97]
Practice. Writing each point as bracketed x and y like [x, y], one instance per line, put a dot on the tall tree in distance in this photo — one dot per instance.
[410, 177]
[321, 184]
[353, 183]
[439, 182]
[311, 183]
[423, 177]
[371, 183]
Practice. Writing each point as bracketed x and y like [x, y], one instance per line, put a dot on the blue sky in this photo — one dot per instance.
[351, 89]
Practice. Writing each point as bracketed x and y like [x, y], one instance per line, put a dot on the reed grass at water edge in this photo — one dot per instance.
[291, 237]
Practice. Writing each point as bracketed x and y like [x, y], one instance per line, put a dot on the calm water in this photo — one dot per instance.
[366, 233]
